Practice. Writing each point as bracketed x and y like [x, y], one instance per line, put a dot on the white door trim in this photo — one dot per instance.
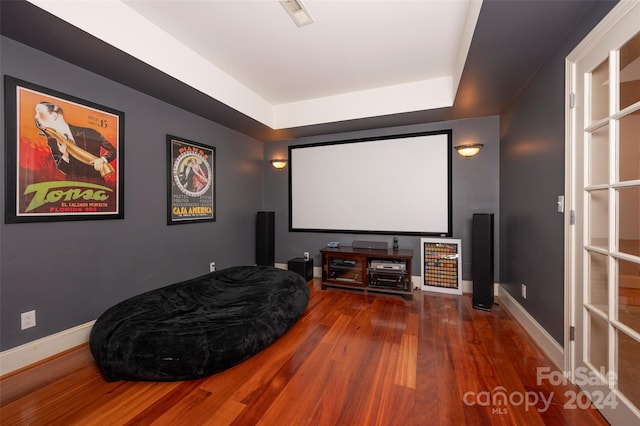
[599, 33]
[608, 35]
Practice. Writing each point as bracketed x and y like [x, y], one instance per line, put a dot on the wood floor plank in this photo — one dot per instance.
[305, 387]
[351, 359]
[405, 374]
[15, 385]
[196, 406]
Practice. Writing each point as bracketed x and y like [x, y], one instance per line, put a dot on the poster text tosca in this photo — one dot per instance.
[68, 196]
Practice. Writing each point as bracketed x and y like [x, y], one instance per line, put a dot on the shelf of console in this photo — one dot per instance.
[350, 268]
[406, 294]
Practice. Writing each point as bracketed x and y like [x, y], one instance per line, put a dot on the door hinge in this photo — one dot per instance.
[572, 217]
[572, 100]
[572, 333]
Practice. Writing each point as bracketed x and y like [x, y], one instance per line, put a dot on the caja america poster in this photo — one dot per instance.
[191, 189]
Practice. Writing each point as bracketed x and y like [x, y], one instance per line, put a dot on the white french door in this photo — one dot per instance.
[603, 221]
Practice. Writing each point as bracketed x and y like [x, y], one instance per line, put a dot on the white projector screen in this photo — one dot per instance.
[393, 185]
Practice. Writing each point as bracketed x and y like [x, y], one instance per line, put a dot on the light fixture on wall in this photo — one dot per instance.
[279, 163]
[469, 149]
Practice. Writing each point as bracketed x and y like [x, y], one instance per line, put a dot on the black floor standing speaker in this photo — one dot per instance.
[482, 260]
[265, 238]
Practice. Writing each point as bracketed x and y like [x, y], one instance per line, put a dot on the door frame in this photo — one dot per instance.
[598, 43]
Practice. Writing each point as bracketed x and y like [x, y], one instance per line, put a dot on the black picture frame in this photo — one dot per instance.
[64, 156]
[349, 173]
[191, 181]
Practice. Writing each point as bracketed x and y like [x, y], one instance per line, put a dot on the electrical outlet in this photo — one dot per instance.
[524, 291]
[27, 320]
[306, 255]
[212, 267]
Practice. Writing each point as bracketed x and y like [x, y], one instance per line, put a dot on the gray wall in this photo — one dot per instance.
[70, 272]
[475, 190]
[531, 177]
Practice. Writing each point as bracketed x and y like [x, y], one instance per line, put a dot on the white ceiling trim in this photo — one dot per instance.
[117, 24]
[120, 26]
[465, 43]
[418, 96]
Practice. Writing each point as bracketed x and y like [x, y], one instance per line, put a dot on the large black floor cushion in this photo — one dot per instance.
[198, 327]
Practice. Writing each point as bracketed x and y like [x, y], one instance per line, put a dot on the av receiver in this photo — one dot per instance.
[388, 265]
[389, 274]
[392, 280]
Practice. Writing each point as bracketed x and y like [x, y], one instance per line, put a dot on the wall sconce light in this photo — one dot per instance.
[469, 150]
[279, 163]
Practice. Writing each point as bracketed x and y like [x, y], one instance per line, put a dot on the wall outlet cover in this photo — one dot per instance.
[27, 320]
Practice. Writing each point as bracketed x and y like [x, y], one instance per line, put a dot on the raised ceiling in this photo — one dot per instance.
[362, 64]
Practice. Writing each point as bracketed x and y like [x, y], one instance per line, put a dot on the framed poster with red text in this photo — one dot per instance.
[64, 156]
[191, 184]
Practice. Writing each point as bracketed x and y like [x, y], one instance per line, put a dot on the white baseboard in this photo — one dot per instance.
[38, 350]
[539, 335]
[21, 356]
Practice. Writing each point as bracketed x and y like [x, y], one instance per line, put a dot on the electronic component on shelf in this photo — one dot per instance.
[388, 265]
[367, 270]
[390, 280]
[343, 262]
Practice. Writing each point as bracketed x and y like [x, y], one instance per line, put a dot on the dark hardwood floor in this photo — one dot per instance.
[352, 359]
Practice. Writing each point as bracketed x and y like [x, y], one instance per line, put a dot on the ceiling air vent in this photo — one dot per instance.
[298, 12]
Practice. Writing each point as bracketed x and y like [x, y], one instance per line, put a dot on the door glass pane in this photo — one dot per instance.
[599, 157]
[598, 343]
[628, 373]
[599, 218]
[630, 72]
[629, 220]
[598, 279]
[600, 92]
[629, 144]
[629, 294]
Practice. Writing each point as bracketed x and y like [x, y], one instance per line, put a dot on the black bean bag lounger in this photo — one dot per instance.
[197, 327]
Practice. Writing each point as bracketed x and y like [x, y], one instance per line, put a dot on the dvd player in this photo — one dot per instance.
[388, 265]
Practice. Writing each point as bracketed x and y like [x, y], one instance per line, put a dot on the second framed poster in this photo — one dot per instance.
[191, 185]
[441, 265]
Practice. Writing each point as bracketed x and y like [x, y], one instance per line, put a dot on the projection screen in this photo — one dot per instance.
[398, 184]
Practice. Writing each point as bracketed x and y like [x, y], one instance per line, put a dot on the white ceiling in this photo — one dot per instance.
[512, 40]
[359, 59]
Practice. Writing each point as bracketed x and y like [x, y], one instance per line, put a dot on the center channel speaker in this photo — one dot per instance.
[370, 245]
[482, 260]
[265, 238]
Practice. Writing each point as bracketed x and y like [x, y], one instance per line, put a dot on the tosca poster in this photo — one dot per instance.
[190, 181]
[64, 156]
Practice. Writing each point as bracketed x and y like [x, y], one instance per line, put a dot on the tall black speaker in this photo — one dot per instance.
[482, 260]
[265, 238]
